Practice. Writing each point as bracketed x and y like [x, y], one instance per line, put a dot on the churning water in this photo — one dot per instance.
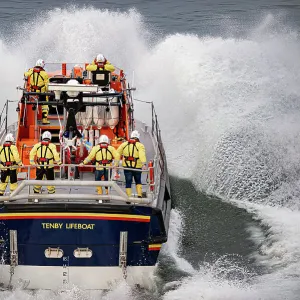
[229, 112]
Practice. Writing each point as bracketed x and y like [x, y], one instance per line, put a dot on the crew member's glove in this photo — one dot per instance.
[21, 165]
[59, 163]
[81, 164]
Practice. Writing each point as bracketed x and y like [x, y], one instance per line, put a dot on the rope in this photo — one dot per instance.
[25, 111]
[138, 100]
[61, 129]
[58, 118]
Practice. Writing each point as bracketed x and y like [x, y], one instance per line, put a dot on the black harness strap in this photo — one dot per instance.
[34, 86]
[130, 159]
[103, 161]
[43, 159]
[7, 155]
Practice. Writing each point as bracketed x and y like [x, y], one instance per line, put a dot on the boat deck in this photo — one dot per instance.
[83, 190]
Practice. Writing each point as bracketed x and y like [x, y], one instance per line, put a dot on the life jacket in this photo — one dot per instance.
[77, 72]
[42, 160]
[104, 162]
[34, 83]
[130, 160]
[7, 155]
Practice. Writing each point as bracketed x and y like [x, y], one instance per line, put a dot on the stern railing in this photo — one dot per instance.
[159, 161]
[116, 192]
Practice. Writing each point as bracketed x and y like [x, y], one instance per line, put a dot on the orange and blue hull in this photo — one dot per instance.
[67, 229]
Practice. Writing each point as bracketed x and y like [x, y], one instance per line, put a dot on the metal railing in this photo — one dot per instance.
[119, 196]
[159, 161]
[4, 127]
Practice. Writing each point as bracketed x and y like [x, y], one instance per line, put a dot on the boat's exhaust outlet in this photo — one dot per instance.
[13, 239]
[123, 252]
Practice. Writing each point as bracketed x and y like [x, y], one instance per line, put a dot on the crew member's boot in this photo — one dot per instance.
[139, 190]
[99, 190]
[45, 120]
[129, 193]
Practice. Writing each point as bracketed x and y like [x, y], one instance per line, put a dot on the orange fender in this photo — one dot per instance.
[151, 175]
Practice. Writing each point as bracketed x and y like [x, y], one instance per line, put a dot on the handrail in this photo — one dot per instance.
[121, 195]
[16, 195]
[3, 121]
[84, 95]
[159, 162]
[73, 165]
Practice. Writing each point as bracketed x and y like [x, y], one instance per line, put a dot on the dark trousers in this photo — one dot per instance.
[40, 172]
[8, 175]
[98, 177]
[100, 173]
[129, 175]
[11, 173]
[49, 173]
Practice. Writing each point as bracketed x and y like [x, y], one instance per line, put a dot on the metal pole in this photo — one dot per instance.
[35, 121]
[6, 116]
[1, 118]
[152, 106]
[63, 149]
[123, 252]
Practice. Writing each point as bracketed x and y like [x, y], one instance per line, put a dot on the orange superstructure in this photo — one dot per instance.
[116, 128]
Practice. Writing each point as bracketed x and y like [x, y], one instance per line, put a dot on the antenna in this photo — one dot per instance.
[132, 84]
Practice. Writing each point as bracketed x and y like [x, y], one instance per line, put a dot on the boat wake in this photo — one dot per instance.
[229, 109]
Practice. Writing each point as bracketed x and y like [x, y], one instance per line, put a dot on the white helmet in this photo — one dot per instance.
[40, 63]
[46, 136]
[135, 134]
[104, 139]
[100, 58]
[9, 138]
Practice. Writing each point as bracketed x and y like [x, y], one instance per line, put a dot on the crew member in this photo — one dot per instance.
[134, 157]
[104, 155]
[9, 157]
[45, 153]
[38, 82]
[100, 63]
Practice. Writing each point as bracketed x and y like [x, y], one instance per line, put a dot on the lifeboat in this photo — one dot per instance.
[76, 236]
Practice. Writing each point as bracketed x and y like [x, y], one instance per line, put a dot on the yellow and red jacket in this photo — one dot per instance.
[38, 79]
[9, 155]
[45, 154]
[94, 66]
[104, 156]
[134, 154]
